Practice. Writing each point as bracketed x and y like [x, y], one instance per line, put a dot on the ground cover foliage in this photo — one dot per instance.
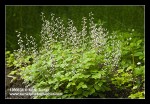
[87, 63]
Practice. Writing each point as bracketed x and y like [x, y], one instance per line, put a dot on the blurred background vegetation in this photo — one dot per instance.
[27, 19]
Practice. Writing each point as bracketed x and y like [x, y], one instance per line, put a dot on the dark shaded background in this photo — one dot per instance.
[27, 19]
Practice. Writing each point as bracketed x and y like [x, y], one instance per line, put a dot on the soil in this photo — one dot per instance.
[18, 83]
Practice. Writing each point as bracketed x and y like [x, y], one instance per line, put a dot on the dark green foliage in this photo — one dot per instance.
[84, 78]
[26, 19]
[112, 70]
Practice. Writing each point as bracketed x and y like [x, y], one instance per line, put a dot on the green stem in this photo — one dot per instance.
[133, 59]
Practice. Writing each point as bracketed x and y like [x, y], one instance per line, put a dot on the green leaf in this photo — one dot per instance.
[132, 44]
[84, 86]
[59, 58]
[96, 87]
[100, 84]
[69, 84]
[92, 90]
[15, 62]
[73, 83]
[64, 96]
[77, 92]
[135, 87]
[13, 72]
[125, 52]
[139, 71]
[86, 93]
[102, 89]
[52, 81]
[141, 57]
[81, 76]
[68, 74]
[7, 52]
[63, 78]
[69, 59]
[63, 65]
[129, 85]
[139, 54]
[86, 76]
[137, 95]
[56, 86]
[81, 84]
[78, 87]
[123, 63]
[87, 65]
[75, 76]
[96, 76]
[120, 70]
[139, 42]
[86, 60]
[58, 74]
[42, 83]
[107, 88]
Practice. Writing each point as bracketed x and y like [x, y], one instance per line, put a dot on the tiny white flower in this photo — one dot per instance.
[130, 38]
[138, 63]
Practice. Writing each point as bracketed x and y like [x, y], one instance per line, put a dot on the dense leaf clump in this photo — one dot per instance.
[81, 64]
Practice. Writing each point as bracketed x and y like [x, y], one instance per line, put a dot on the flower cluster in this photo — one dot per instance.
[98, 35]
[92, 36]
[30, 48]
[112, 51]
